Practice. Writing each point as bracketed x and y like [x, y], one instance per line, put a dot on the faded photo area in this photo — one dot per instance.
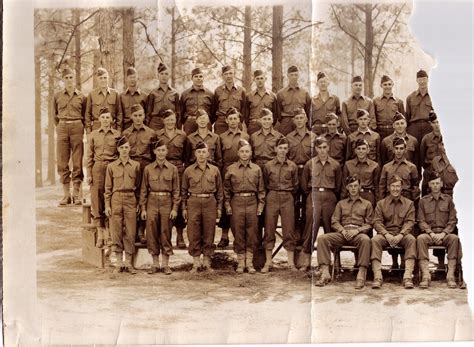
[208, 173]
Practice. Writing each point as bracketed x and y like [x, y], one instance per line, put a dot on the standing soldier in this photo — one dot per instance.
[132, 95]
[69, 107]
[258, 99]
[394, 221]
[400, 131]
[385, 107]
[364, 132]
[322, 181]
[227, 95]
[244, 193]
[289, 98]
[337, 141]
[351, 222]
[300, 150]
[229, 143]
[194, 98]
[430, 148]
[140, 138]
[437, 220]
[367, 171]
[418, 107]
[321, 105]
[202, 197]
[356, 102]
[281, 181]
[103, 97]
[122, 191]
[102, 151]
[159, 202]
[176, 142]
[162, 98]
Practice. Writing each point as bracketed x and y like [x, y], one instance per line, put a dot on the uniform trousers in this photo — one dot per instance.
[141, 224]
[70, 146]
[450, 241]
[300, 207]
[379, 242]
[158, 224]
[97, 191]
[179, 222]
[123, 222]
[244, 223]
[202, 214]
[331, 241]
[280, 203]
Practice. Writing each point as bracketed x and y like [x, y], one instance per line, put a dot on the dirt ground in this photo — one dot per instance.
[78, 303]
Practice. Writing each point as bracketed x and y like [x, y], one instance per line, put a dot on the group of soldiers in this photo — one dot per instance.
[249, 159]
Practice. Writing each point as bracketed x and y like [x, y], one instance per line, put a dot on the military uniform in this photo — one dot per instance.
[140, 140]
[128, 99]
[385, 108]
[99, 99]
[372, 138]
[368, 172]
[349, 110]
[158, 100]
[263, 146]
[409, 174]
[213, 143]
[418, 108]
[225, 99]
[193, 99]
[412, 153]
[289, 99]
[446, 171]
[255, 103]
[429, 148]
[320, 109]
[337, 146]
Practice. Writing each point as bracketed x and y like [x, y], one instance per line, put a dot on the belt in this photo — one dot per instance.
[190, 117]
[253, 120]
[126, 192]
[160, 193]
[368, 190]
[201, 195]
[320, 189]
[244, 194]
[385, 126]
[70, 121]
[280, 191]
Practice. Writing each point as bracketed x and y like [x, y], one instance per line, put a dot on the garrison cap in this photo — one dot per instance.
[159, 143]
[200, 112]
[361, 112]
[196, 71]
[101, 71]
[162, 67]
[104, 110]
[242, 143]
[265, 112]
[201, 145]
[297, 111]
[398, 116]
[226, 68]
[282, 141]
[351, 179]
[385, 78]
[321, 75]
[136, 108]
[397, 141]
[421, 73]
[131, 71]
[293, 68]
[257, 73]
[356, 79]
[166, 113]
[66, 71]
[121, 141]
[432, 116]
[433, 175]
[320, 140]
[330, 116]
[232, 110]
[361, 142]
[394, 178]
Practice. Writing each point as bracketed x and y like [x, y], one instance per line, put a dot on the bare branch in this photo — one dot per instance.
[301, 29]
[336, 68]
[218, 20]
[148, 38]
[347, 32]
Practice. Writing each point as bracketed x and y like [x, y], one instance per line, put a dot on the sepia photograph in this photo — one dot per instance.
[179, 172]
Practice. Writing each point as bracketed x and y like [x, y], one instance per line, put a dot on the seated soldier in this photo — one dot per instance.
[394, 220]
[437, 220]
[351, 221]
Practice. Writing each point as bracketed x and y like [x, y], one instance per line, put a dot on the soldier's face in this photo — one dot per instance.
[260, 81]
[228, 76]
[132, 81]
[356, 88]
[282, 150]
[332, 125]
[322, 149]
[245, 153]
[138, 117]
[353, 188]
[105, 119]
[323, 84]
[124, 150]
[435, 185]
[422, 82]
[399, 151]
[293, 77]
[400, 126]
[387, 87]
[300, 120]
[362, 151]
[198, 80]
[69, 80]
[202, 121]
[363, 121]
[170, 122]
[161, 152]
[164, 76]
[103, 81]
[266, 122]
[435, 125]
[395, 189]
[233, 121]
[201, 154]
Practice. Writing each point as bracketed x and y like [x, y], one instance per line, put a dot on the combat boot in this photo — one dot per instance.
[66, 200]
[128, 264]
[100, 238]
[118, 266]
[291, 261]
[207, 264]
[425, 274]
[224, 241]
[268, 261]
[249, 263]
[240, 263]
[166, 268]
[180, 239]
[305, 261]
[361, 276]
[76, 191]
[196, 264]
[156, 265]
[407, 276]
[325, 276]
[377, 270]
[450, 275]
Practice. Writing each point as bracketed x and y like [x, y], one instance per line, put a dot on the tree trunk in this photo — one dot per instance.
[247, 54]
[77, 47]
[369, 46]
[128, 43]
[173, 46]
[38, 152]
[51, 128]
[96, 57]
[277, 48]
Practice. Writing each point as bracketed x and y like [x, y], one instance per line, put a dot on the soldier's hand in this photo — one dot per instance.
[89, 180]
[397, 239]
[345, 233]
[228, 211]
[219, 214]
[143, 215]
[259, 213]
[173, 214]
[108, 212]
[389, 238]
[185, 214]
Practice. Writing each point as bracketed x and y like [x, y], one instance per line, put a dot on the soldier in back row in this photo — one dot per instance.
[132, 95]
[323, 104]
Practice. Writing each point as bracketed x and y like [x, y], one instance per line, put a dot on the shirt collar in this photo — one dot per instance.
[107, 91]
[136, 91]
[75, 91]
[142, 127]
[395, 200]
[165, 163]
[197, 167]
[353, 96]
[193, 87]
[356, 199]
[244, 165]
[367, 131]
[255, 91]
[297, 86]
[388, 97]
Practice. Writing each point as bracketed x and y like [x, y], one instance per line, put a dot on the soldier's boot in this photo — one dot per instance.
[76, 191]
[407, 276]
[224, 241]
[100, 238]
[128, 264]
[66, 200]
[165, 259]
[291, 261]
[305, 263]
[240, 263]
[425, 274]
[377, 270]
[118, 266]
[450, 278]
[180, 239]
[107, 237]
[325, 276]
[361, 276]
[196, 265]
[206, 264]
[395, 265]
[249, 263]
[268, 261]
[156, 265]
